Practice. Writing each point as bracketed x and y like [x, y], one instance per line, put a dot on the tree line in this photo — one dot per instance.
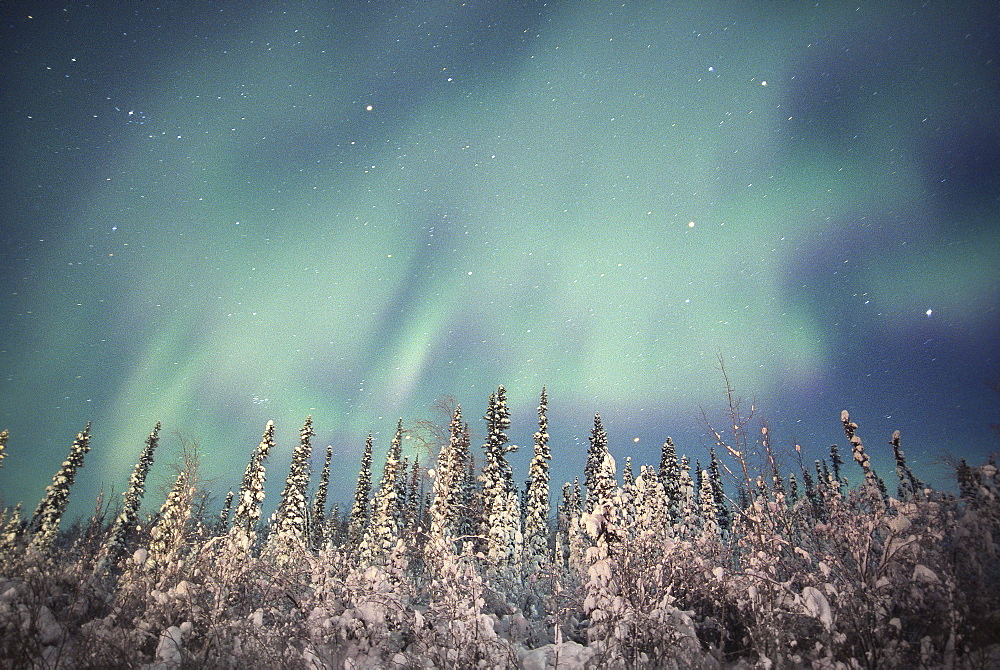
[450, 563]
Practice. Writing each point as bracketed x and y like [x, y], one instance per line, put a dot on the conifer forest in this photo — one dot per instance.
[452, 563]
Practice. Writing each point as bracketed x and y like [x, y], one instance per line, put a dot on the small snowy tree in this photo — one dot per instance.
[4, 434]
[45, 521]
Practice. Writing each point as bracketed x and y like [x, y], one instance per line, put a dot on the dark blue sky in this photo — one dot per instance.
[216, 214]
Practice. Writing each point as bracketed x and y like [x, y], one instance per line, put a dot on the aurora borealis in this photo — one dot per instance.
[221, 213]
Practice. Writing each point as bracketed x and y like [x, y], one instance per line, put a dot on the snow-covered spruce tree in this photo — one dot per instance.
[413, 511]
[816, 505]
[707, 508]
[652, 520]
[358, 521]
[225, 513]
[166, 537]
[829, 485]
[501, 507]
[335, 525]
[383, 531]
[608, 612]
[289, 531]
[536, 521]
[446, 477]
[45, 520]
[463, 505]
[595, 457]
[626, 501]
[670, 477]
[909, 487]
[722, 515]
[577, 537]
[243, 533]
[698, 478]
[837, 461]
[471, 500]
[858, 449]
[127, 521]
[319, 502]
[4, 435]
[407, 517]
[688, 523]
[10, 529]
[561, 551]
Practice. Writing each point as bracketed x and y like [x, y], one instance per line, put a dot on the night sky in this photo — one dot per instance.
[220, 213]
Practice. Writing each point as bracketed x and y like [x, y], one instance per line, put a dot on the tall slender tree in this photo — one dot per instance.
[319, 502]
[462, 504]
[670, 477]
[227, 510]
[127, 521]
[707, 506]
[48, 514]
[563, 516]
[605, 581]
[577, 537]
[501, 513]
[446, 480]
[860, 456]
[722, 516]
[289, 530]
[536, 522]
[383, 531]
[910, 487]
[837, 461]
[362, 492]
[595, 457]
[687, 522]
[243, 532]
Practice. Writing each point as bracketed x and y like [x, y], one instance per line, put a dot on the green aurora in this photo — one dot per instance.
[219, 214]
